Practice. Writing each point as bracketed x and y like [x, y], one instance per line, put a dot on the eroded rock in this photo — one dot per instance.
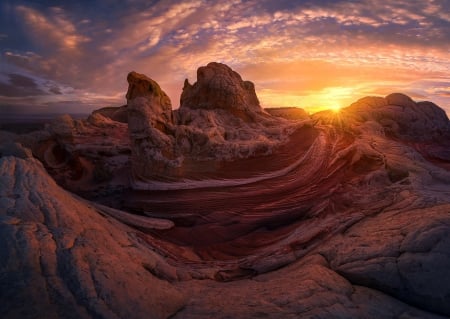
[150, 125]
[401, 117]
[61, 258]
[220, 119]
[219, 87]
[339, 216]
[404, 254]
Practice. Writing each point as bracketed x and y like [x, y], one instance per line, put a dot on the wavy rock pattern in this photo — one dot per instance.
[337, 215]
[60, 258]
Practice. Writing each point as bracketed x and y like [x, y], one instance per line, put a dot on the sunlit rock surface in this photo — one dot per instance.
[334, 215]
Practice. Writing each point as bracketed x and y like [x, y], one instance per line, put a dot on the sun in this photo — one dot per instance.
[331, 98]
[336, 108]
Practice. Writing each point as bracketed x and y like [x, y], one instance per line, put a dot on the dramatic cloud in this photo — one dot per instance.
[312, 54]
[19, 86]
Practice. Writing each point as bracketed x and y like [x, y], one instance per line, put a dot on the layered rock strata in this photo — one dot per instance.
[341, 215]
[220, 119]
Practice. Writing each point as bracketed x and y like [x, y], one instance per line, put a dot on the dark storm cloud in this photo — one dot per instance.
[22, 81]
[19, 86]
[55, 90]
[9, 90]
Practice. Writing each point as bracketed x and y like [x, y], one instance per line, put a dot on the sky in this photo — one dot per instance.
[74, 56]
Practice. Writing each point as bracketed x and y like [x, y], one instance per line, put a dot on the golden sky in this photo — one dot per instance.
[311, 54]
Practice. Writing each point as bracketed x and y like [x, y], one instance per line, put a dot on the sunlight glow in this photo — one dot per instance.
[332, 98]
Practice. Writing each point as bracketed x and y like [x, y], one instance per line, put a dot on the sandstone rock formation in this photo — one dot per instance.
[15, 149]
[219, 87]
[60, 258]
[337, 215]
[405, 254]
[118, 114]
[89, 157]
[308, 289]
[220, 119]
[402, 117]
[150, 125]
[144, 91]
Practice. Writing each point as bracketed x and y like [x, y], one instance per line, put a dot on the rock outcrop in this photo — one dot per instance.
[404, 254]
[150, 125]
[219, 119]
[338, 215]
[64, 257]
[401, 117]
[60, 258]
[307, 289]
[118, 114]
[87, 156]
[219, 87]
[15, 149]
[158, 108]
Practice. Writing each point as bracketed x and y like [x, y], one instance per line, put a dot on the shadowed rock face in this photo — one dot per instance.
[337, 215]
[63, 258]
[87, 156]
[219, 87]
[118, 114]
[150, 125]
[400, 116]
[147, 104]
[220, 119]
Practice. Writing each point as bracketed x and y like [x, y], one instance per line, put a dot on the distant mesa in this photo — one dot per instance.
[290, 113]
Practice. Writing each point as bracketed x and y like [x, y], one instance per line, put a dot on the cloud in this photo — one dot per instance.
[55, 90]
[301, 49]
[52, 29]
[9, 90]
[20, 86]
[22, 81]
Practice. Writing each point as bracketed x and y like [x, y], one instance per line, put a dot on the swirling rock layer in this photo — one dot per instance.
[219, 120]
[337, 215]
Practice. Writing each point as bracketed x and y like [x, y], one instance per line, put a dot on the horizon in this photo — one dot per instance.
[317, 55]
